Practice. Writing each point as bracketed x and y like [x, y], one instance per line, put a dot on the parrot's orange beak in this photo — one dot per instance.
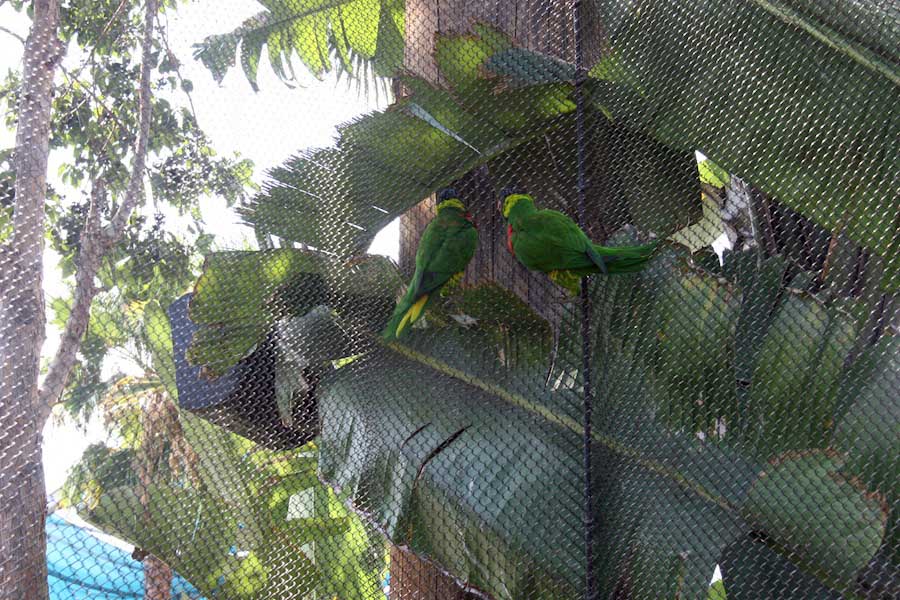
[469, 218]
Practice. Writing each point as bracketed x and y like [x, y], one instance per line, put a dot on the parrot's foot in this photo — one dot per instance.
[567, 280]
[451, 285]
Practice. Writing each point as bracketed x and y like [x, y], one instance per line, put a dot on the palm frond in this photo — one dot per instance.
[360, 39]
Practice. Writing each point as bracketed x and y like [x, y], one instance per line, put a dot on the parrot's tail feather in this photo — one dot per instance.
[624, 259]
[390, 330]
[412, 314]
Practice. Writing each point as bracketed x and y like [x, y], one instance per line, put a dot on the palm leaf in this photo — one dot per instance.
[337, 199]
[449, 432]
[778, 119]
[457, 444]
[355, 32]
[241, 296]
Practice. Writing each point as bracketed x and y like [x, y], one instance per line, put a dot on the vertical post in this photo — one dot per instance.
[590, 584]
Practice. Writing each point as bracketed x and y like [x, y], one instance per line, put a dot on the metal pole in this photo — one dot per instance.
[590, 583]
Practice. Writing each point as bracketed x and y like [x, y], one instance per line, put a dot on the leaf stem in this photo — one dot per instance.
[563, 421]
[832, 39]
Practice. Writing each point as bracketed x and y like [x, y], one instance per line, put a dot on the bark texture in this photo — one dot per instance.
[23, 563]
[157, 579]
[24, 407]
[542, 25]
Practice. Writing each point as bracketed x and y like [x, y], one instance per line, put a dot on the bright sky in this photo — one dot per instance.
[266, 127]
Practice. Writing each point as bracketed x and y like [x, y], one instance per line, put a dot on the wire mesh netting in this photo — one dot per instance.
[629, 328]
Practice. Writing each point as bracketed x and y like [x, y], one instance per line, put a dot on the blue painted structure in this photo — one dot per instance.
[83, 567]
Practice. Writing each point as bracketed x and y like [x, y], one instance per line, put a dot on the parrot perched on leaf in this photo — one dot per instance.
[550, 242]
[446, 247]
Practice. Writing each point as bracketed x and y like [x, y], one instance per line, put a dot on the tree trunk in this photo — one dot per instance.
[542, 25]
[415, 579]
[23, 562]
[24, 407]
[157, 579]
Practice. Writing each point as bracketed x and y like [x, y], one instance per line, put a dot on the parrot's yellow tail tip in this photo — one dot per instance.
[412, 315]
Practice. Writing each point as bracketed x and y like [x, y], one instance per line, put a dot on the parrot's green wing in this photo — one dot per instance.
[551, 242]
[446, 247]
[548, 240]
[447, 253]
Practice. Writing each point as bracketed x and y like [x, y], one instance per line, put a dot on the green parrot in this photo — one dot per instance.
[550, 242]
[447, 245]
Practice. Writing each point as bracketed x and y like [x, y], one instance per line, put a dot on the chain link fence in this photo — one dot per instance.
[638, 338]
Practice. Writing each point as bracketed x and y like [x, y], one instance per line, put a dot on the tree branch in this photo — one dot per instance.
[103, 32]
[12, 33]
[96, 241]
[89, 258]
[134, 192]
[164, 36]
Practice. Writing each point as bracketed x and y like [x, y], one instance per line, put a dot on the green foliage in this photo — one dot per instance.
[819, 518]
[840, 188]
[459, 508]
[721, 392]
[751, 569]
[710, 382]
[158, 335]
[801, 358]
[234, 538]
[658, 183]
[358, 34]
[231, 531]
[717, 591]
[704, 232]
[100, 469]
[412, 466]
[869, 431]
[692, 362]
[147, 268]
[241, 295]
[94, 130]
[713, 174]
[337, 199]
[192, 169]
[199, 552]
[677, 337]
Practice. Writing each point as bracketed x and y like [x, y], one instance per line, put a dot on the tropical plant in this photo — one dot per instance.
[363, 37]
[434, 136]
[216, 506]
[702, 455]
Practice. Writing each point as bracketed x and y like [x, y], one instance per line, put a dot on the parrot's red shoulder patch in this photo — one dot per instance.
[509, 236]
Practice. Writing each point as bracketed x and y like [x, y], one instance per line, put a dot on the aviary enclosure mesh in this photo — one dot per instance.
[726, 415]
